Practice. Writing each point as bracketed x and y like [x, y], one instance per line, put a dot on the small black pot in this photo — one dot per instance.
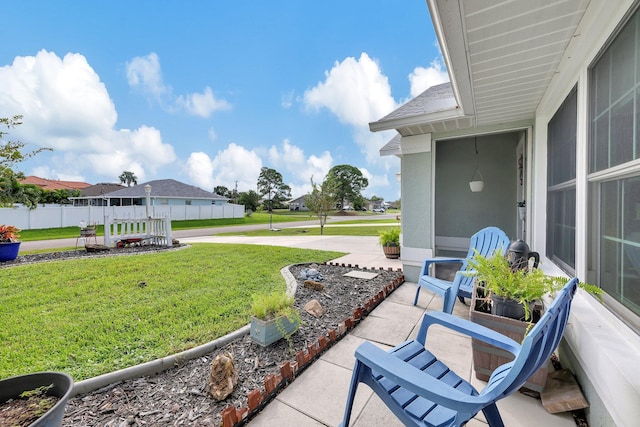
[11, 388]
[507, 307]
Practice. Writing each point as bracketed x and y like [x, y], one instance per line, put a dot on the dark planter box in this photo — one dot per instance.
[486, 358]
[11, 388]
[9, 251]
[266, 332]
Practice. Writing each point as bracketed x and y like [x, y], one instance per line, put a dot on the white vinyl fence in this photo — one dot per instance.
[56, 216]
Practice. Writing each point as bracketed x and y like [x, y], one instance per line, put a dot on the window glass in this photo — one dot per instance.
[614, 99]
[620, 241]
[561, 191]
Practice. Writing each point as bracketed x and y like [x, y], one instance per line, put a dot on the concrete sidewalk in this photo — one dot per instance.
[317, 397]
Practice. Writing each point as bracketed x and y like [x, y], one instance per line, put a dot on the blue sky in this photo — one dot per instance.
[208, 92]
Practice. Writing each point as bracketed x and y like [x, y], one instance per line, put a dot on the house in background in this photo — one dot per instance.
[297, 204]
[54, 184]
[163, 192]
[543, 107]
[95, 194]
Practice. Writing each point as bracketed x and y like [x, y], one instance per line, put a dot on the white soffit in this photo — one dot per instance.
[513, 49]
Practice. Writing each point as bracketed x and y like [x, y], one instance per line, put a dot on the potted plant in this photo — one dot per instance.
[390, 242]
[509, 301]
[9, 242]
[36, 400]
[273, 317]
[513, 292]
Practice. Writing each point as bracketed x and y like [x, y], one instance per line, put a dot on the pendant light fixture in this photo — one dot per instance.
[477, 182]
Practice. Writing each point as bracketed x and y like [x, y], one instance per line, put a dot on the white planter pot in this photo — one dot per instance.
[476, 186]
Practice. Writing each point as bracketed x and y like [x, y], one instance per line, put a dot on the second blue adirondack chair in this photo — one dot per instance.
[486, 242]
[423, 392]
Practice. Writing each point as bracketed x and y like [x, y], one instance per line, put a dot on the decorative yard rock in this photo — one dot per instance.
[310, 273]
[312, 284]
[223, 377]
[314, 308]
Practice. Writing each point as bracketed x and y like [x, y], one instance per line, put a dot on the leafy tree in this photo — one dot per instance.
[270, 184]
[11, 152]
[321, 201]
[348, 182]
[60, 196]
[358, 202]
[128, 177]
[223, 191]
[250, 199]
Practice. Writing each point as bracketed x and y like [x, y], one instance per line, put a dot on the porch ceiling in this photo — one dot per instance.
[513, 49]
[501, 57]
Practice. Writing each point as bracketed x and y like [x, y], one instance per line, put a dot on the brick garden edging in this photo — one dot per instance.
[273, 384]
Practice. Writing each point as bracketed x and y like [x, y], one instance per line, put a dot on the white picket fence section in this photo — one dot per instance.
[56, 216]
[151, 231]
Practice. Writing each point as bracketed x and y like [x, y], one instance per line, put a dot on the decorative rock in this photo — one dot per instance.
[223, 377]
[311, 273]
[312, 284]
[314, 308]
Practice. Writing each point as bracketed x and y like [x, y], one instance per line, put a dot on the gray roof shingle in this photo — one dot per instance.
[436, 98]
[169, 188]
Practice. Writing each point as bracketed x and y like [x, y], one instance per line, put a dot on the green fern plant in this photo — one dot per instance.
[390, 237]
[498, 278]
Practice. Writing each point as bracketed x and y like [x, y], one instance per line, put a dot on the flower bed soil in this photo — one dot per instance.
[178, 397]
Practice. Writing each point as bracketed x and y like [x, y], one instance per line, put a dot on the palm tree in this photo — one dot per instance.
[128, 177]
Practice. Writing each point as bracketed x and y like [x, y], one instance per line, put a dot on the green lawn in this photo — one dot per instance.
[72, 232]
[329, 230]
[92, 316]
[279, 216]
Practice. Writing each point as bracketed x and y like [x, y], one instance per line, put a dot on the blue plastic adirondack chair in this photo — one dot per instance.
[421, 390]
[486, 242]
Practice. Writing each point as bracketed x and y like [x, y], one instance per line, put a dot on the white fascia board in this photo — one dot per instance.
[448, 26]
[415, 144]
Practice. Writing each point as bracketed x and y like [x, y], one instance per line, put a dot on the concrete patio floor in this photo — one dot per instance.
[317, 397]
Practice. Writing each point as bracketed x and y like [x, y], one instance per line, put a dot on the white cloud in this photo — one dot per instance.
[202, 104]
[212, 134]
[354, 90]
[144, 72]
[200, 170]
[422, 78]
[292, 159]
[234, 164]
[67, 107]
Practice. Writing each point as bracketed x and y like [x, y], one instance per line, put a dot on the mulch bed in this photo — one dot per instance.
[178, 396]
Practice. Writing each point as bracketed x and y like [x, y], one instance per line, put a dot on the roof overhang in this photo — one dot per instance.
[501, 59]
